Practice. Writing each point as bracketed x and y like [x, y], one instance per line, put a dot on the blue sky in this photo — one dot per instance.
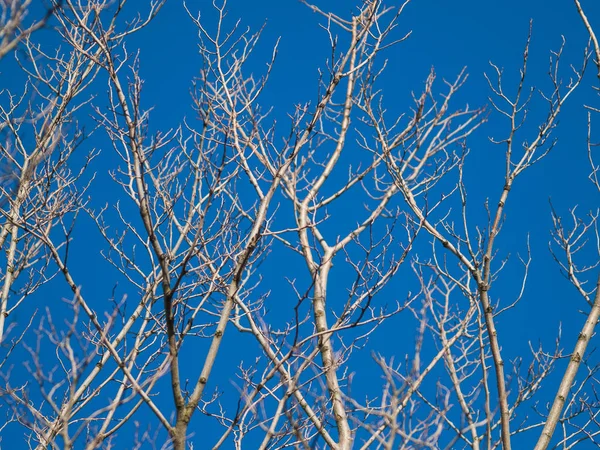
[447, 36]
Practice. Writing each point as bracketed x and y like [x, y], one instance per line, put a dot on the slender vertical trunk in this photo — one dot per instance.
[8, 277]
[328, 355]
[569, 377]
[178, 434]
[498, 368]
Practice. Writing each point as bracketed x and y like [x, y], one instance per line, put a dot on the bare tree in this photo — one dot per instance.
[363, 210]
[16, 26]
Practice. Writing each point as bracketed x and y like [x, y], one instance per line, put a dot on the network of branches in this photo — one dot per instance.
[228, 326]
